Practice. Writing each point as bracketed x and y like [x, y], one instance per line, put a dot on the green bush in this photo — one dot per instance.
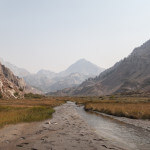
[31, 95]
[16, 94]
[1, 96]
[112, 97]
[20, 89]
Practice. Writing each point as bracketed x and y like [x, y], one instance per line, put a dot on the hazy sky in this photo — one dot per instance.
[52, 34]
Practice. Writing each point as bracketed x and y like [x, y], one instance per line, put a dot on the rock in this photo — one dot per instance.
[11, 86]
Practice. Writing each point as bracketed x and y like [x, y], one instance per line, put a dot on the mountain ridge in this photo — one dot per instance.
[128, 75]
[20, 72]
[11, 86]
[46, 81]
[84, 67]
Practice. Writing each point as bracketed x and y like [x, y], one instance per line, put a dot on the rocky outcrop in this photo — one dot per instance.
[129, 75]
[11, 86]
[20, 72]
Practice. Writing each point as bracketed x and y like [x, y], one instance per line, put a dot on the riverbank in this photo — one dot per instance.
[145, 124]
[117, 131]
[129, 106]
[27, 110]
[133, 110]
[65, 131]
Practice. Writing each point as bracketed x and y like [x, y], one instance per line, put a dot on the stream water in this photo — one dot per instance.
[119, 133]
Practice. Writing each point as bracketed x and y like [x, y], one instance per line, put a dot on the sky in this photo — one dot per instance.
[53, 34]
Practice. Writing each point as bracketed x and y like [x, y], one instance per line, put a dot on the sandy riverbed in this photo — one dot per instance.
[145, 124]
[66, 131]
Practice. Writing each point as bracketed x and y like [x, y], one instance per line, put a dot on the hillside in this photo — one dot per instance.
[74, 75]
[39, 81]
[131, 74]
[10, 85]
[82, 66]
[74, 79]
[20, 72]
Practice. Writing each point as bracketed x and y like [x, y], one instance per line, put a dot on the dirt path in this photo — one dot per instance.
[66, 131]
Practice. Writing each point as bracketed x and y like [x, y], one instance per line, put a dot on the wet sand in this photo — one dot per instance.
[65, 131]
[144, 124]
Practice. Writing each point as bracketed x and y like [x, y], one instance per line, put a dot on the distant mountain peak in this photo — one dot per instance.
[131, 74]
[47, 80]
[44, 71]
[82, 60]
[83, 66]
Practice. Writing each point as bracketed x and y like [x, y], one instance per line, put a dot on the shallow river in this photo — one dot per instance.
[117, 132]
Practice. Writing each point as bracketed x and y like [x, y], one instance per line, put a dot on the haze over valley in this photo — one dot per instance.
[132, 74]
[74, 75]
[48, 81]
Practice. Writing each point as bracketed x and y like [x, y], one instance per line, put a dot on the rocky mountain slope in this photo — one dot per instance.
[11, 86]
[71, 80]
[82, 66]
[75, 74]
[48, 81]
[131, 74]
[20, 72]
[41, 80]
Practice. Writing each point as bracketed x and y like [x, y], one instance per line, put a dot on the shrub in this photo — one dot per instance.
[16, 94]
[21, 89]
[112, 97]
[1, 96]
[31, 95]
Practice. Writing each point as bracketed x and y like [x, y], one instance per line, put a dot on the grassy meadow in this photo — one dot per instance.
[132, 106]
[27, 110]
[38, 108]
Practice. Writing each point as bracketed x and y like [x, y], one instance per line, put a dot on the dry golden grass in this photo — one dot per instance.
[129, 110]
[48, 101]
[16, 111]
[37, 109]
[137, 107]
[13, 115]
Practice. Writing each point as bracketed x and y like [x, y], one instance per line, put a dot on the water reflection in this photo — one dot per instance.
[118, 132]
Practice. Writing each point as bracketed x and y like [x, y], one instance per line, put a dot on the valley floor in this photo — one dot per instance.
[65, 131]
[144, 124]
